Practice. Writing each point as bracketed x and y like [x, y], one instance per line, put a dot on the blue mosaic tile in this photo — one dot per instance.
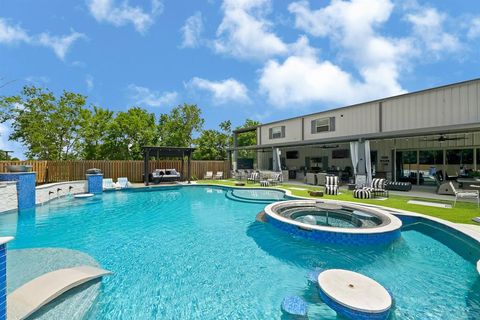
[352, 314]
[3, 283]
[25, 188]
[337, 237]
[95, 183]
[312, 275]
[294, 305]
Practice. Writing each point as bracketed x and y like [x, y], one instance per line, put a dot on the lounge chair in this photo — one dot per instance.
[277, 178]
[208, 175]
[219, 175]
[378, 187]
[123, 183]
[254, 177]
[108, 184]
[470, 194]
[36, 293]
[331, 185]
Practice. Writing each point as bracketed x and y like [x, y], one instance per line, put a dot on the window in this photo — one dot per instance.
[460, 156]
[323, 125]
[277, 132]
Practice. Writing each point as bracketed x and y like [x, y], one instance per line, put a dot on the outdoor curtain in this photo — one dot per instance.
[354, 156]
[368, 162]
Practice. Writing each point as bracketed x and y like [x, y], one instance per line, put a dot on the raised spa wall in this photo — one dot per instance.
[14, 194]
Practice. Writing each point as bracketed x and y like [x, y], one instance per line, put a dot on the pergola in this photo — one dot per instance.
[170, 152]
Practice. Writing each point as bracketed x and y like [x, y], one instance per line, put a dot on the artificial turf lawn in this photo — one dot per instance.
[462, 213]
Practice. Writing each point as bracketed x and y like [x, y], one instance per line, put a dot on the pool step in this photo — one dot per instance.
[229, 195]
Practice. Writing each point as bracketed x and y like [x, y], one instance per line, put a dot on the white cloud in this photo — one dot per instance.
[428, 26]
[89, 82]
[245, 33]
[192, 29]
[302, 79]
[474, 28]
[352, 28]
[10, 34]
[123, 13]
[228, 90]
[151, 98]
[60, 44]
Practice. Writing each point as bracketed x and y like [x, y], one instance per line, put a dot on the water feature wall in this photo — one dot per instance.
[95, 183]
[52, 191]
[18, 191]
[25, 187]
[8, 196]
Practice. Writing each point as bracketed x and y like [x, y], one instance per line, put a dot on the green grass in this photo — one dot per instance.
[462, 213]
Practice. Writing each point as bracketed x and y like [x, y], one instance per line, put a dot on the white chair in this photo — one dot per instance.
[254, 177]
[276, 178]
[470, 194]
[208, 175]
[108, 184]
[123, 183]
[219, 175]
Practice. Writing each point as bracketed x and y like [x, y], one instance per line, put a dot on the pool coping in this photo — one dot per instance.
[394, 224]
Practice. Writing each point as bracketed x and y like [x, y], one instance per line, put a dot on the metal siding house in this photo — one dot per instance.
[411, 136]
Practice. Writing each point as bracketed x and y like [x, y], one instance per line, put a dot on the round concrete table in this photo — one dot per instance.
[354, 295]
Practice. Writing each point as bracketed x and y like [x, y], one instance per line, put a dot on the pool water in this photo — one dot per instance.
[192, 253]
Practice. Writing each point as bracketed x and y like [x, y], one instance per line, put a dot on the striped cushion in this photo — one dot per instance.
[331, 190]
[378, 183]
[362, 193]
[331, 181]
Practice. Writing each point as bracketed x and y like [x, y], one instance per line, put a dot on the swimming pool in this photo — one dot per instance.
[193, 253]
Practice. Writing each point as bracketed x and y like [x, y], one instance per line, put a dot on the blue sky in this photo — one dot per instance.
[261, 59]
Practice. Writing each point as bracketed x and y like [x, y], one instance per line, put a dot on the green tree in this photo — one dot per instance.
[94, 131]
[46, 125]
[128, 133]
[213, 144]
[177, 128]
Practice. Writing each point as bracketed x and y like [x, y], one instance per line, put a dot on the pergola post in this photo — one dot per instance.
[188, 169]
[183, 164]
[146, 153]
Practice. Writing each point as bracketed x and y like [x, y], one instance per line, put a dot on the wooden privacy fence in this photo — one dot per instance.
[57, 171]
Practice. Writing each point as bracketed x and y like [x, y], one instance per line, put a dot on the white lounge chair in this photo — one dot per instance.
[219, 175]
[123, 183]
[108, 184]
[254, 177]
[208, 175]
[36, 293]
[277, 178]
[470, 194]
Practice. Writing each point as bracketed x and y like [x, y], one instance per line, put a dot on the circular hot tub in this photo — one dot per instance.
[334, 222]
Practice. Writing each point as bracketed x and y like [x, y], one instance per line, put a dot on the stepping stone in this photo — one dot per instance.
[353, 295]
[294, 305]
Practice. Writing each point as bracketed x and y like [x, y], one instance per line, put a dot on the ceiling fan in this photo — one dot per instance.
[444, 138]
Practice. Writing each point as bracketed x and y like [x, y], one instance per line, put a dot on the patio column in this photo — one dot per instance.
[235, 152]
